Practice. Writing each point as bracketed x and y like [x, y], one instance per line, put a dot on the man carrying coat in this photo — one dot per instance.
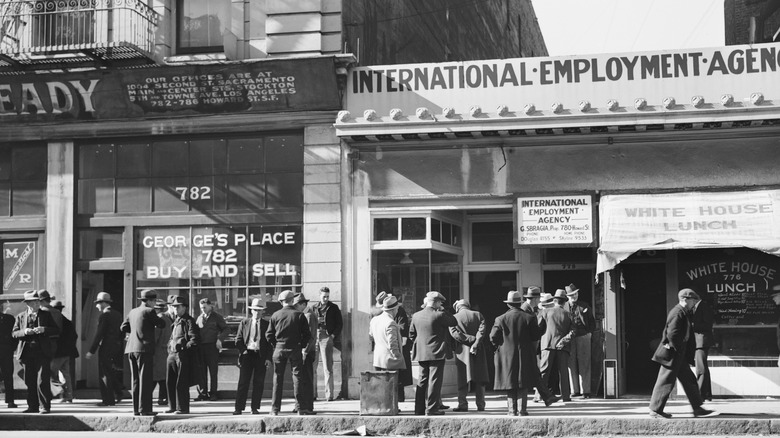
[140, 324]
[674, 365]
[429, 331]
[470, 358]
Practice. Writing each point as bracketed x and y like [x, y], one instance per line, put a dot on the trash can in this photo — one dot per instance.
[379, 393]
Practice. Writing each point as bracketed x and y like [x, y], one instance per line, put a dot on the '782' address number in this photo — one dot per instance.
[193, 193]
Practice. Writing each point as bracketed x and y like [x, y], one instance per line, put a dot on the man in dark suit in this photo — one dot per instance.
[557, 333]
[583, 323]
[65, 351]
[532, 296]
[470, 358]
[703, 319]
[140, 323]
[182, 348]
[254, 357]
[309, 356]
[429, 331]
[7, 346]
[33, 328]
[108, 344]
[674, 365]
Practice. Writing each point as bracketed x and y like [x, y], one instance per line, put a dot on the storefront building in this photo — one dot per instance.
[630, 175]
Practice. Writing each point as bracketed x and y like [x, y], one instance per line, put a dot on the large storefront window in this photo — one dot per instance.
[230, 265]
[22, 180]
[191, 176]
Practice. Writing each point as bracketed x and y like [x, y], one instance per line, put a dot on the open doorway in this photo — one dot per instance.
[487, 292]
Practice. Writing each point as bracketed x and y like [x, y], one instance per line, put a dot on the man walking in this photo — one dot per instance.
[7, 346]
[470, 358]
[212, 331]
[254, 357]
[108, 344]
[555, 323]
[33, 329]
[182, 348]
[329, 324]
[584, 323]
[65, 351]
[702, 320]
[288, 332]
[674, 365]
[140, 324]
[429, 331]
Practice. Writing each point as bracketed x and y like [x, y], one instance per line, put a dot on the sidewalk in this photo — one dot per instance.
[577, 418]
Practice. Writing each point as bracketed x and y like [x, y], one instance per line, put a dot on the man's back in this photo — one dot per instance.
[557, 325]
[429, 328]
[140, 323]
[288, 329]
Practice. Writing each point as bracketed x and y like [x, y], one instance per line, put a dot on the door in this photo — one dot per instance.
[487, 292]
[92, 282]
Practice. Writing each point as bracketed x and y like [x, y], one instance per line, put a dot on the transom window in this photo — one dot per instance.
[201, 25]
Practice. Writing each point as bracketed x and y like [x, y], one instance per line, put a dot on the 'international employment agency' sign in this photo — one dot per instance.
[554, 220]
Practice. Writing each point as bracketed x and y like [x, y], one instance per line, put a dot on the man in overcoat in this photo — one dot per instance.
[429, 331]
[674, 364]
[162, 336]
[140, 324]
[584, 323]
[182, 348]
[65, 351]
[702, 319]
[107, 343]
[470, 357]
[555, 323]
[7, 346]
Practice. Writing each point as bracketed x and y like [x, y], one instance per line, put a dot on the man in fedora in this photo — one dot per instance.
[309, 356]
[429, 331]
[182, 348]
[161, 338]
[470, 357]
[583, 323]
[140, 324]
[532, 297]
[702, 318]
[108, 344]
[555, 323]
[33, 329]
[64, 352]
[288, 332]
[254, 357]
[674, 363]
[7, 347]
[213, 330]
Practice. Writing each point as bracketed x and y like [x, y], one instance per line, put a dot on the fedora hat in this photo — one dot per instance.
[286, 296]
[57, 304]
[390, 303]
[461, 303]
[205, 301]
[179, 301]
[514, 297]
[433, 295]
[257, 304]
[380, 298]
[560, 295]
[160, 303]
[171, 298]
[546, 300]
[300, 298]
[533, 292]
[103, 297]
[687, 293]
[31, 295]
[148, 294]
[43, 295]
[571, 289]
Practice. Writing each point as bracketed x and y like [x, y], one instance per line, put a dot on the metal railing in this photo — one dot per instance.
[62, 26]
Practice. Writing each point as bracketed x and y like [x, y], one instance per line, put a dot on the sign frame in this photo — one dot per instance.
[593, 239]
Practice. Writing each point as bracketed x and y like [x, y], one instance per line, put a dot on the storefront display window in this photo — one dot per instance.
[22, 180]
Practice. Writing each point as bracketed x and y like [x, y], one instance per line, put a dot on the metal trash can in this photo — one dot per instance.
[379, 393]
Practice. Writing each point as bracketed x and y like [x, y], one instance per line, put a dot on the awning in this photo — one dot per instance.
[630, 223]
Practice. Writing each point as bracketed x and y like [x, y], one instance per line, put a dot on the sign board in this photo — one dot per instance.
[18, 266]
[254, 87]
[629, 223]
[554, 220]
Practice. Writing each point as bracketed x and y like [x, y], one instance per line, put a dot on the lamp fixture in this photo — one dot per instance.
[406, 260]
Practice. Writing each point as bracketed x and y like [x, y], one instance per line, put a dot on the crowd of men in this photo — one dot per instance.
[540, 337]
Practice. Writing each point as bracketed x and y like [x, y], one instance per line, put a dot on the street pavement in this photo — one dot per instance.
[581, 417]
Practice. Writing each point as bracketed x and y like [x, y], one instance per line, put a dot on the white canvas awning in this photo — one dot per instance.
[630, 223]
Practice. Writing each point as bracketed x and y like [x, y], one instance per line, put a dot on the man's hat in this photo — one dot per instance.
[160, 303]
[57, 304]
[257, 304]
[286, 296]
[533, 292]
[571, 289]
[171, 298]
[324, 289]
[300, 298]
[390, 303]
[205, 301]
[461, 303]
[546, 300]
[560, 295]
[103, 297]
[687, 293]
[43, 295]
[433, 295]
[148, 294]
[380, 298]
[31, 295]
[179, 301]
[514, 297]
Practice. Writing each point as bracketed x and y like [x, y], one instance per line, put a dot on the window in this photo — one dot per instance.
[201, 24]
[415, 228]
[99, 244]
[492, 242]
[22, 180]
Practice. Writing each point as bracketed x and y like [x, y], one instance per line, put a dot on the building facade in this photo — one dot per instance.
[630, 175]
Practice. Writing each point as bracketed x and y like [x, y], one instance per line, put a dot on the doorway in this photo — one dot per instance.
[559, 279]
[487, 292]
[90, 283]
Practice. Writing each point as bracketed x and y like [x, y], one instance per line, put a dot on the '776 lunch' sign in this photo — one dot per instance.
[554, 220]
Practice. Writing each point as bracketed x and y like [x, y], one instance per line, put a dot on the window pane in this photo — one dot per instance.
[446, 233]
[5, 162]
[207, 157]
[166, 195]
[133, 160]
[492, 241]
[445, 275]
[246, 192]
[169, 158]
[29, 198]
[435, 230]
[228, 302]
[404, 273]
[412, 228]
[202, 22]
[96, 196]
[29, 163]
[284, 154]
[275, 255]
[133, 195]
[201, 194]
[5, 199]
[163, 257]
[386, 229]
[97, 244]
[456, 235]
[284, 190]
[219, 256]
[96, 161]
[245, 155]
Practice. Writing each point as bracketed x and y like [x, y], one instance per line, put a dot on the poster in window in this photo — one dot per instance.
[18, 267]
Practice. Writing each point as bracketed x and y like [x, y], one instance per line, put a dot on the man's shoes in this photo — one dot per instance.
[460, 409]
[306, 412]
[65, 401]
[523, 413]
[566, 399]
[214, 398]
[551, 400]
[256, 412]
[659, 414]
[482, 409]
[162, 402]
[330, 399]
[576, 394]
[148, 414]
[170, 411]
[295, 410]
[44, 411]
[103, 405]
[119, 398]
[30, 411]
[274, 412]
[443, 407]
[12, 405]
[434, 413]
[586, 395]
[201, 397]
[236, 412]
[180, 412]
[136, 414]
[703, 413]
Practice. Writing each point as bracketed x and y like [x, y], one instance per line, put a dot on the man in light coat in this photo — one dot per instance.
[386, 335]
[470, 358]
[555, 323]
